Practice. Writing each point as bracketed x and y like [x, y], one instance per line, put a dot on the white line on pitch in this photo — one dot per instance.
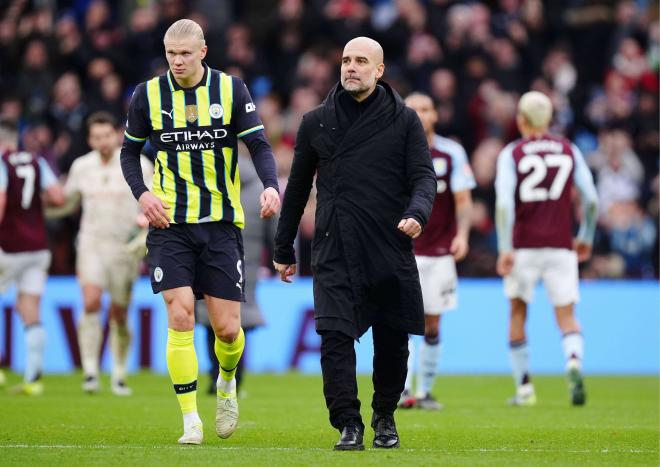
[293, 449]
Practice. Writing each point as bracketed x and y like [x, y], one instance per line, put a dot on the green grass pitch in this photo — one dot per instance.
[284, 422]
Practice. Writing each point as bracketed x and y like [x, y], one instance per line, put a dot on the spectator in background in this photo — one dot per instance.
[35, 79]
[633, 236]
[141, 41]
[443, 89]
[69, 54]
[68, 110]
[618, 169]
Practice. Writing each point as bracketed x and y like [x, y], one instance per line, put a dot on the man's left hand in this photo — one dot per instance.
[410, 227]
[270, 202]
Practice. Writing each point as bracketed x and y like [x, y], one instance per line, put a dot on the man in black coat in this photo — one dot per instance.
[376, 186]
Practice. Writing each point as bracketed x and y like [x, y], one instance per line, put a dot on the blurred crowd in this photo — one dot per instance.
[598, 60]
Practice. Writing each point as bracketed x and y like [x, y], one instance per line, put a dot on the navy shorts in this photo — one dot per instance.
[207, 257]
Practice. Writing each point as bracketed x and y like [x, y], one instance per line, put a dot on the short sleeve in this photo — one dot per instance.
[582, 176]
[138, 126]
[462, 177]
[47, 176]
[246, 119]
[72, 185]
[4, 179]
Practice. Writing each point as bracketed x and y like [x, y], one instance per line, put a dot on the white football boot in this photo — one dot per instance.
[119, 388]
[91, 384]
[193, 432]
[226, 413]
[525, 396]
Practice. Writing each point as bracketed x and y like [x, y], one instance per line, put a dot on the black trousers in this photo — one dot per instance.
[339, 373]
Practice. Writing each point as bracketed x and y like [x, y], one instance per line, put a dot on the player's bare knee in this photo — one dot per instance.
[228, 333]
[181, 315]
[181, 320]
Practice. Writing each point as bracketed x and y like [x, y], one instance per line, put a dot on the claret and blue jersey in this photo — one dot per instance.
[194, 132]
[534, 182]
[453, 174]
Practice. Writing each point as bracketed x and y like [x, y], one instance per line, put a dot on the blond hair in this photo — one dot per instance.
[184, 28]
[536, 107]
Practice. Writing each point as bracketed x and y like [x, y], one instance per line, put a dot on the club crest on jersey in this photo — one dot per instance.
[191, 113]
[440, 166]
[158, 274]
[216, 111]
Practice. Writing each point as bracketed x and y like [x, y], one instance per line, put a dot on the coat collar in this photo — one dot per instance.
[378, 115]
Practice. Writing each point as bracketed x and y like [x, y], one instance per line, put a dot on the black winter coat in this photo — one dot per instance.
[370, 175]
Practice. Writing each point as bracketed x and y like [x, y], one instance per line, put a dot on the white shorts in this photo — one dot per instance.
[557, 267]
[437, 275]
[29, 270]
[110, 269]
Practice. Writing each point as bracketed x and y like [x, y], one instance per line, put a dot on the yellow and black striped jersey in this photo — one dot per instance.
[194, 133]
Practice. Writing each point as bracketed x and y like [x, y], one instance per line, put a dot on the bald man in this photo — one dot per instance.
[535, 177]
[375, 190]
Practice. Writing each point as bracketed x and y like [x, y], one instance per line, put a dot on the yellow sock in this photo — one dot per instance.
[182, 366]
[229, 355]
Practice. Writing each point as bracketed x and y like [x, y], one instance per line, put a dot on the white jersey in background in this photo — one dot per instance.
[109, 210]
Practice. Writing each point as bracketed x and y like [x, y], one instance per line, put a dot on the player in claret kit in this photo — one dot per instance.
[24, 255]
[444, 241]
[534, 215]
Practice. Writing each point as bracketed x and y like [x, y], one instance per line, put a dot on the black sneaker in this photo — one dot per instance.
[351, 438]
[386, 436]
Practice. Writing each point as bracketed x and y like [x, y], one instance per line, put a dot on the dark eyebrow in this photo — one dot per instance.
[357, 58]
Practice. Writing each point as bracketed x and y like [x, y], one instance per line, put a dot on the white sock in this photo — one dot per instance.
[411, 365]
[519, 354]
[429, 355]
[35, 339]
[120, 342]
[228, 387]
[89, 340]
[573, 344]
[191, 419]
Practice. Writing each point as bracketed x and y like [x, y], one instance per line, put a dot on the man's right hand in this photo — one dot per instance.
[285, 270]
[155, 210]
[505, 263]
